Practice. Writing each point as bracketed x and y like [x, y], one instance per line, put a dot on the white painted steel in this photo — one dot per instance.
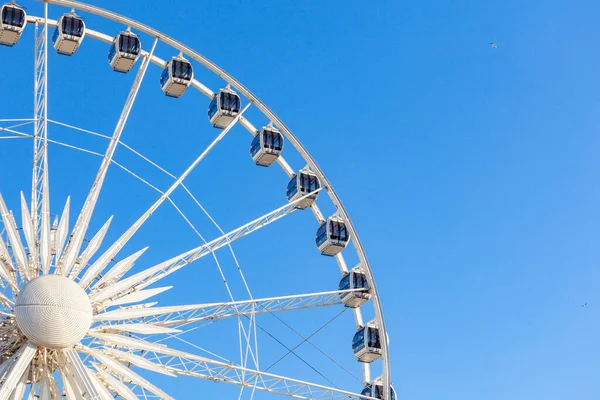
[100, 264]
[85, 216]
[105, 290]
[154, 274]
[53, 311]
[21, 363]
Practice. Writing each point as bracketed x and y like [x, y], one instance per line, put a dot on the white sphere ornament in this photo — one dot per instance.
[53, 311]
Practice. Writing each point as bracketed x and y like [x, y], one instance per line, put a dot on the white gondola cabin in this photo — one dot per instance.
[354, 279]
[69, 33]
[332, 236]
[176, 77]
[266, 146]
[303, 183]
[124, 51]
[13, 23]
[224, 107]
[375, 389]
[366, 343]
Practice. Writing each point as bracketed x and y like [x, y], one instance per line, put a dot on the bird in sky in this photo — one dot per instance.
[584, 304]
[494, 45]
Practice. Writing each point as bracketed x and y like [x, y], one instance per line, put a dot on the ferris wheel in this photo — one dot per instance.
[78, 320]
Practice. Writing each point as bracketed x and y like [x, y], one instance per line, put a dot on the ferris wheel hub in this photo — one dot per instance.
[53, 311]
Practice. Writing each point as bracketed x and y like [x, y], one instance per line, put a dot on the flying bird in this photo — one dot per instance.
[494, 45]
[584, 304]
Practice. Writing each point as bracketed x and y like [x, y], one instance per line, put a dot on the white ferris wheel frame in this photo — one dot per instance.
[40, 212]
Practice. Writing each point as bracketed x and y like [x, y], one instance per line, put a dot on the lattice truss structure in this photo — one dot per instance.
[123, 332]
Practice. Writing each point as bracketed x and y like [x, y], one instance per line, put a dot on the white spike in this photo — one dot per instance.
[75, 367]
[89, 251]
[125, 286]
[6, 266]
[154, 274]
[68, 380]
[120, 269]
[116, 385]
[14, 239]
[21, 386]
[136, 297]
[28, 229]
[143, 329]
[120, 370]
[45, 387]
[138, 361]
[102, 389]
[123, 314]
[23, 358]
[63, 229]
[128, 343]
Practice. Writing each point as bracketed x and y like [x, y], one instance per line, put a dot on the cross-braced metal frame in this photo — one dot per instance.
[40, 197]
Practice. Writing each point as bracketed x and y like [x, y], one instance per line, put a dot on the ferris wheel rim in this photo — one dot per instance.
[280, 124]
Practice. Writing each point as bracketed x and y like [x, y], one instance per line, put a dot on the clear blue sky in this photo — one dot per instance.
[470, 172]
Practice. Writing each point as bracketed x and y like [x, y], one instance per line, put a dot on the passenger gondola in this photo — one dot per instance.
[303, 183]
[69, 33]
[375, 389]
[266, 146]
[366, 344]
[13, 23]
[223, 108]
[332, 236]
[124, 51]
[355, 279]
[176, 77]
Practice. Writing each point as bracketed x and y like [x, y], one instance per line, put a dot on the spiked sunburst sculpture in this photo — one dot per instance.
[78, 322]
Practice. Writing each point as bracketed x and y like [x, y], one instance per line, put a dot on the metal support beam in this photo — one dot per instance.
[72, 250]
[103, 261]
[183, 315]
[40, 196]
[153, 274]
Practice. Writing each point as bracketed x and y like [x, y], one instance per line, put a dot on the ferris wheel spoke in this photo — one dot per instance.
[105, 258]
[28, 229]
[19, 362]
[21, 386]
[69, 384]
[119, 269]
[15, 137]
[62, 230]
[14, 239]
[187, 364]
[6, 302]
[151, 275]
[81, 225]
[91, 249]
[115, 384]
[74, 367]
[45, 390]
[111, 364]
[11, 128]
[188, 314]
[7, 269]
[40, 196]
